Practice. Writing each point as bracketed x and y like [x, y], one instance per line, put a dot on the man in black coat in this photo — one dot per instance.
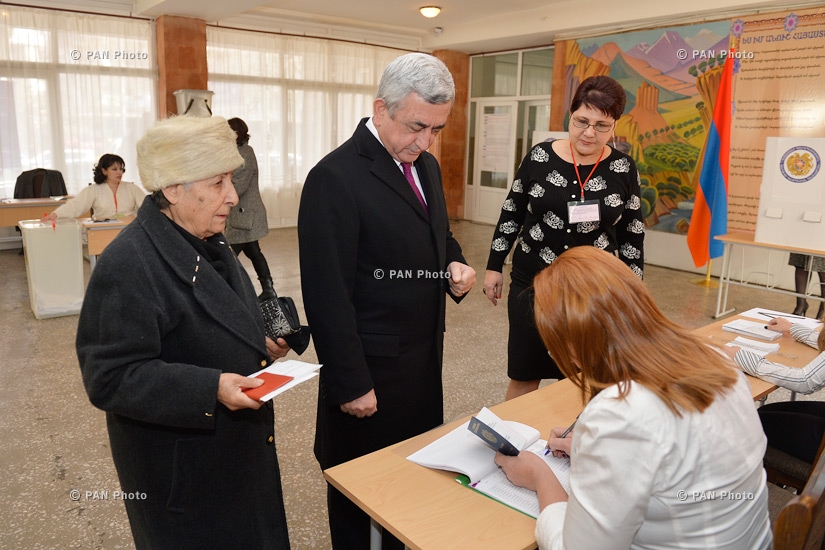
[377, 262]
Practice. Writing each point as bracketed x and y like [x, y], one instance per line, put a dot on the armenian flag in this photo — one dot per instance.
[710, 210]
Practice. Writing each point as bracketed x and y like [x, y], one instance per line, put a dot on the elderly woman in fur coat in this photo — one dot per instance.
[169, 331]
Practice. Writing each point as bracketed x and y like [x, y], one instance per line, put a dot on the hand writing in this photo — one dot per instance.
[560, 446]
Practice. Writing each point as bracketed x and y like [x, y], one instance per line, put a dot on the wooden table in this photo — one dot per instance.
[746, 240]
[428, 509]
[14, 210]
[100, 233]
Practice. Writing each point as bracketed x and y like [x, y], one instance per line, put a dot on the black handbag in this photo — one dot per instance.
[280, 317]
[281, 321]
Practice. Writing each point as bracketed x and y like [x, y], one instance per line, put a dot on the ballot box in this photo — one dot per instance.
[54, 266]
[792, 195]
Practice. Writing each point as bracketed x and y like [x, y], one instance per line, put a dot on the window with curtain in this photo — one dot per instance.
[72, 87]
[301, 98]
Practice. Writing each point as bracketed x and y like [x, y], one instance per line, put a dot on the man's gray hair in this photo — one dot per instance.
[421, 73]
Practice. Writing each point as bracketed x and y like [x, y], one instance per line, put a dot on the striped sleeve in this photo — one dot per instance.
[806, 380]
[805, 335]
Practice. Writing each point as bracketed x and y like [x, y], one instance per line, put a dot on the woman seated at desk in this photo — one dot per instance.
[795, 427]
[116, 199]
[668, 451]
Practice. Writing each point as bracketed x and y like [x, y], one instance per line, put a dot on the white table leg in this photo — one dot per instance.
[375, 535]
[724, 284]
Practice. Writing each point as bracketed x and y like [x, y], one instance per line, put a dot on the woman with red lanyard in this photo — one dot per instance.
[569, 192]
[115, 199]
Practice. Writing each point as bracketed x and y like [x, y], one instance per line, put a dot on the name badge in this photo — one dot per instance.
[583, 211]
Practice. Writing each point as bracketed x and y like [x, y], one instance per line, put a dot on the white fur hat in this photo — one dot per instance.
[184, 149]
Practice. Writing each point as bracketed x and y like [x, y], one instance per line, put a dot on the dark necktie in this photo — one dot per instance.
[407, 167]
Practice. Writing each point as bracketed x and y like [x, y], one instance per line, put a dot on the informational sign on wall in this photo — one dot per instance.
[779, 89]
[495, 132]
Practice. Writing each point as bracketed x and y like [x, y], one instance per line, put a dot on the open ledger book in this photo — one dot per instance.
[465, 452]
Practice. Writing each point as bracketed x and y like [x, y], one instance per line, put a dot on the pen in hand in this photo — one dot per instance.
[570, 429]
[564, 434]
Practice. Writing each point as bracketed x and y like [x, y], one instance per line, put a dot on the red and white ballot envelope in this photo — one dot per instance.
[279, 377]
[271, 383]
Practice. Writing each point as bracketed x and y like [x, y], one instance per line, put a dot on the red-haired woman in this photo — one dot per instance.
[668, 450]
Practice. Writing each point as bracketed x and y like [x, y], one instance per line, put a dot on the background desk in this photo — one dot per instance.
[427, 509]
[100, 234]
[746, 240]
[14, 210]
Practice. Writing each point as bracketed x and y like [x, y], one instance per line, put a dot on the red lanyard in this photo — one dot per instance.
[114, 194]
[576, 167]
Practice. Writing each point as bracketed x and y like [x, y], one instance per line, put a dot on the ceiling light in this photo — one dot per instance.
[430, 11]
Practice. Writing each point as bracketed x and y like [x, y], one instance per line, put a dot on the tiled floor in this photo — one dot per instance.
[54, 442]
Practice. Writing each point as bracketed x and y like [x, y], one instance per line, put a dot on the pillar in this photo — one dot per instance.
[181, 43]
[452, 144]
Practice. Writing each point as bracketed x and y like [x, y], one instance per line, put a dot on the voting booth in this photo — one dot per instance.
[792, 195]
[54, 267]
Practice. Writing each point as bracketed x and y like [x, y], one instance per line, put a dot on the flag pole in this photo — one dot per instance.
[706, 282]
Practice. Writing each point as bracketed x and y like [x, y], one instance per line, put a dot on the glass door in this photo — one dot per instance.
[537, 118]
[494, 157]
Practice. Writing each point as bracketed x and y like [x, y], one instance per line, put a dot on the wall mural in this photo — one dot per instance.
[671, 77]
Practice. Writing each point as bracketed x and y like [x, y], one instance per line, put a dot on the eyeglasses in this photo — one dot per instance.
[584, 125]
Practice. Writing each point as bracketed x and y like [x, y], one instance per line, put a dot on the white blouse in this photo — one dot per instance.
[102, 200]
[641, 477]
[808, 379]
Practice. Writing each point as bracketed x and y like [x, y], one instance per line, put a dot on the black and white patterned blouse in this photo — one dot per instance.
[534, 216]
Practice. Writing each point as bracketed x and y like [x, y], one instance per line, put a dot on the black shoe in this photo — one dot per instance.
[820, 311]
[801, 307]
[267, 290]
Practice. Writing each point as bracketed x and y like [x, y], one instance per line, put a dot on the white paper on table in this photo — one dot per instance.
[761, 349]
[766, 315]
[298, 370]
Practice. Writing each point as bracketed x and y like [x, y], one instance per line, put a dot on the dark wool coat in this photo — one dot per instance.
[157, 328]
[372, 265]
